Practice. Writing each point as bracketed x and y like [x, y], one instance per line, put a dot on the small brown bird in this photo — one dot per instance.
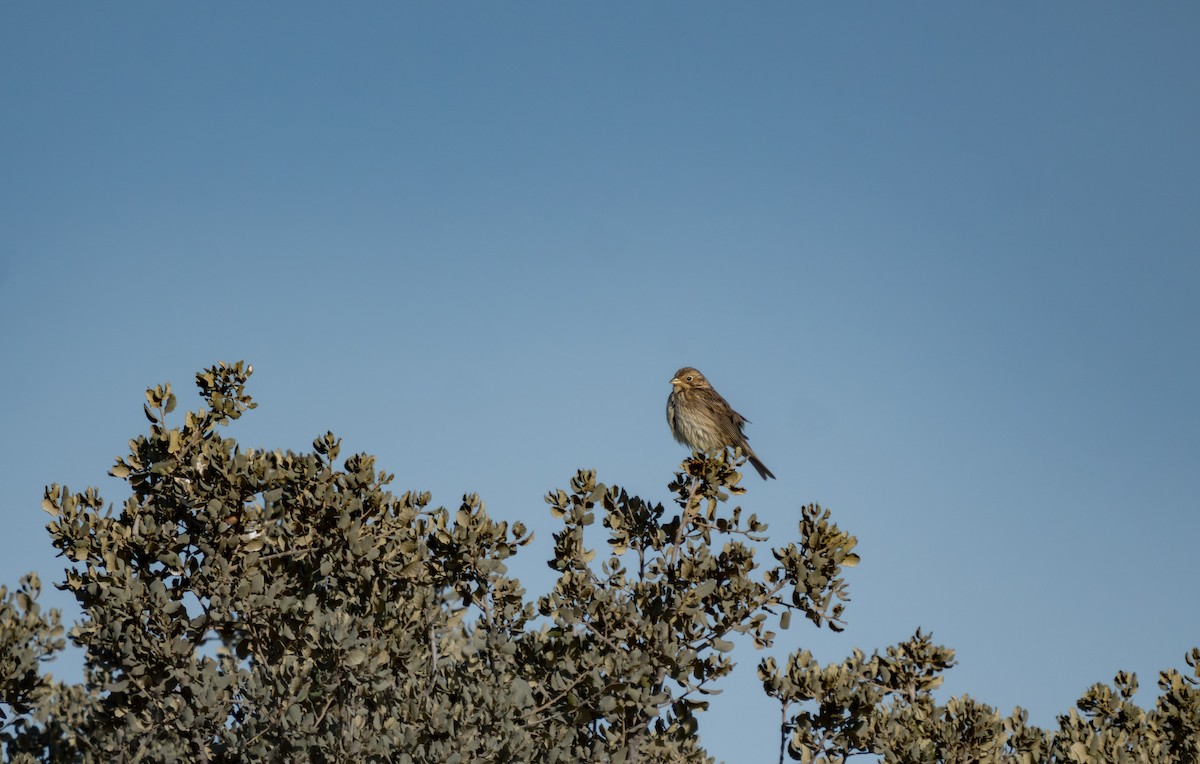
[703, 421]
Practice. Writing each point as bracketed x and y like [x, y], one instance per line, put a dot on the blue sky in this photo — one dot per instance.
[946, 258]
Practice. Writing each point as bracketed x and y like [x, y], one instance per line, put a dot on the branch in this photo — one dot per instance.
[689, 511]
[553, 701]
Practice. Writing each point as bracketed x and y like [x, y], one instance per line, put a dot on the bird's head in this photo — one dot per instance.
[688, 378]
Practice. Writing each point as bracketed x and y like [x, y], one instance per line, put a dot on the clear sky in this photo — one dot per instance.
[945, 256]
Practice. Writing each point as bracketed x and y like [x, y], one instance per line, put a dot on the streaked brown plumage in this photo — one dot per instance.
[704, 421]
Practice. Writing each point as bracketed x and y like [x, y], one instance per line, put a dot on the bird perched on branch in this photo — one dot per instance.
[703, 421]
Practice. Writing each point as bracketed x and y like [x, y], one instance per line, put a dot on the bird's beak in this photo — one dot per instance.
[675, 381]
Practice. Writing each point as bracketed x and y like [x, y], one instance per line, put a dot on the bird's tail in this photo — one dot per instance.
[763, 472]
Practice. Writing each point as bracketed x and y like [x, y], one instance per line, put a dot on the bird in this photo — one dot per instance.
[703, 421]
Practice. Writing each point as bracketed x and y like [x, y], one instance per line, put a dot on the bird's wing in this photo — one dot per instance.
[741, 420]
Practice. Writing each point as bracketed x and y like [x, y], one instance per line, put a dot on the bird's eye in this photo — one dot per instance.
[689, 378]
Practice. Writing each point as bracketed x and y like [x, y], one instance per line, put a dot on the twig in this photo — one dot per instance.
[287, 553]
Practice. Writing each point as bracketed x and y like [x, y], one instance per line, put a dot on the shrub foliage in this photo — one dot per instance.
[251, 605]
